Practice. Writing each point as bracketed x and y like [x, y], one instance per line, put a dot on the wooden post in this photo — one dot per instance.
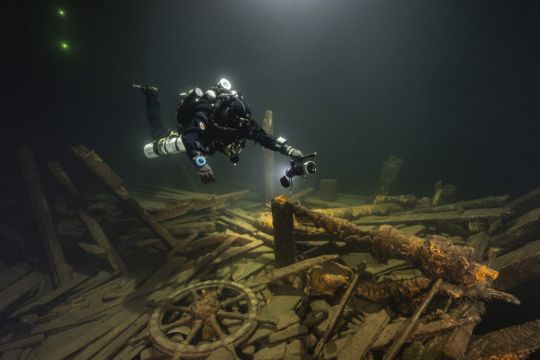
[389, 174]
[282, 219]
[113, 182]
[93, 227]
[60, 269]
[269, 156]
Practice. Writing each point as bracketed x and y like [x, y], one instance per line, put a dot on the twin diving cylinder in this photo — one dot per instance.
[170, 145]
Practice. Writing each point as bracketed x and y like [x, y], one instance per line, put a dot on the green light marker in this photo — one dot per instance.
[64, 45]
[61, 13]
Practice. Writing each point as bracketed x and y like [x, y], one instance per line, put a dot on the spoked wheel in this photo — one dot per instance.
[203, 317]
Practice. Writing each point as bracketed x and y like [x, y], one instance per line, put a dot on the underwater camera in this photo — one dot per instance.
[298, 168]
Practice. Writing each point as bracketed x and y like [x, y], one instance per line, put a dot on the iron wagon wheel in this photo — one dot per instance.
[202, 317]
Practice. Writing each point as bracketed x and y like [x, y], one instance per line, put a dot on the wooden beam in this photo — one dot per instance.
[449, 216]
[113, 182]
[361, 342]
[518, 266]
[91, 224]
[60, 269]
[399, 341]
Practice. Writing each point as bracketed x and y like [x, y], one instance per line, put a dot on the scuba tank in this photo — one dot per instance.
[186, 110]
[169, 145]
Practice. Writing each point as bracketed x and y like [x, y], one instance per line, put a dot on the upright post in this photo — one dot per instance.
[282, 219]
[269, 173]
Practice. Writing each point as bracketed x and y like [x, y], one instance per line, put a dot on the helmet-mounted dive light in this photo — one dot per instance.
[224, 83]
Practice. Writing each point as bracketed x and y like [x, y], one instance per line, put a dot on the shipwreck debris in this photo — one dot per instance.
[222, 289]
[61, 270]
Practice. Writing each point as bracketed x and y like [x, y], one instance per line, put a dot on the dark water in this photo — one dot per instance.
[452, 87]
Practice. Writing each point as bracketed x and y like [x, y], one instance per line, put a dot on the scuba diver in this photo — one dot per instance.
[218, 119]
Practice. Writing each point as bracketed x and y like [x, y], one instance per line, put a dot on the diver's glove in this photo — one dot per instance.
[293, 153]
[203, 169]
[206, 174]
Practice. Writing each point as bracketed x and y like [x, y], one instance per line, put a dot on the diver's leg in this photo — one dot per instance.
[153, 110]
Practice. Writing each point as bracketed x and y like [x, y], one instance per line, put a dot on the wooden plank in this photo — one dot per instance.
[518, 266]
[186, 229]
[60, 269]
[467, 215]
[275, 274]
[333, 320]
[94, 333]
[20, 343]
[525, 202]
[97, 233]
[113, 182]
[523, 229]
[12, 274]
[411, 323]
[132, 350]
[12, 354]
[243, 215]
[90, 351]
[95, 282]
[513, 342]
[238, 224]
[421, 331]
[361, 342]
[114, 346]
[51, 296]
[10, 295]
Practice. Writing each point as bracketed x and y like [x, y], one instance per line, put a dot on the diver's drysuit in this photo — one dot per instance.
[216, 120]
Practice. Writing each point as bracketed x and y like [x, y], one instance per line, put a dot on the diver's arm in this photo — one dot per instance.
[261, 137]
[195, 150]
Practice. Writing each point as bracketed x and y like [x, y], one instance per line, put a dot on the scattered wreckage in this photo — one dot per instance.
[185, 275]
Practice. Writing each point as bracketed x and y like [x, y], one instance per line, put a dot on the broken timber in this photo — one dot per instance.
[399, 341]
[362, 341]
[93, 227]
[266, 278]
[113, 182]
[361, 210]
[337, 315]
[518, 266]
[435, 256]
[514, 342]
[60, 269]
[466, 215]
[196, 205]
